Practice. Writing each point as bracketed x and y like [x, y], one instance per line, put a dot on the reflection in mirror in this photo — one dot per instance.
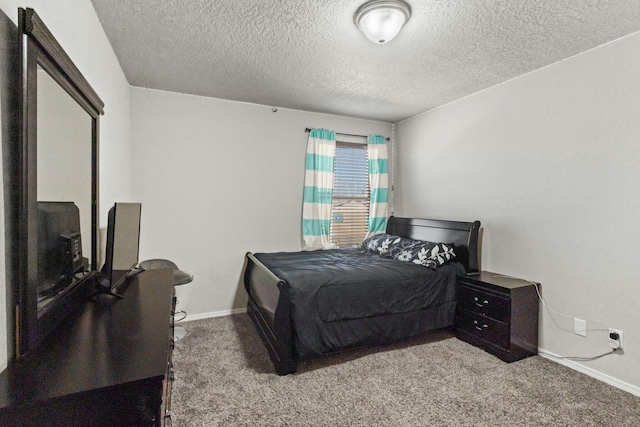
[63, 175]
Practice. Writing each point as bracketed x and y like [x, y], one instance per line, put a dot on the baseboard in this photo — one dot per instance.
[209, 315]
[591, 372]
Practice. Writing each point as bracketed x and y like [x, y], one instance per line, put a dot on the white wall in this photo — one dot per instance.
[77, 28]
[75, 25]
[218, 179]
[549, 162]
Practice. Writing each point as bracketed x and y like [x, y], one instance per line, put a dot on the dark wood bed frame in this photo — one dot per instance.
[269, 305]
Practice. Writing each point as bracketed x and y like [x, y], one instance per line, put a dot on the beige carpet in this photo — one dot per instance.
[224, 377]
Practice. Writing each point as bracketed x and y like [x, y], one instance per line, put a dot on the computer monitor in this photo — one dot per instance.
[123, 240]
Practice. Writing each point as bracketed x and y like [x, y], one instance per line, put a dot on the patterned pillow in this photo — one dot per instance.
[381, 244]
[403, 245]
[428, 254]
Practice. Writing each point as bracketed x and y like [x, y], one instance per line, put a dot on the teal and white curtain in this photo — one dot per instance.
[379, 184]
[318, 190]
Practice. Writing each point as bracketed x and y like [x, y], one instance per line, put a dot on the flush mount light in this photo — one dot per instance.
[382, 20]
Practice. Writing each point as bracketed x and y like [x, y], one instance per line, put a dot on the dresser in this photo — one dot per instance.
[108, 364]
[498, 314]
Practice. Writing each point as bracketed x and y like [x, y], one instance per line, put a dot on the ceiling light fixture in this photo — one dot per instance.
[382, 20]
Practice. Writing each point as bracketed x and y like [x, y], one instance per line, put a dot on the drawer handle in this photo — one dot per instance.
[480, 304]
[478, 327]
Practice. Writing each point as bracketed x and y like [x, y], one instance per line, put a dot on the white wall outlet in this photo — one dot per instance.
[580, 327]
[613, 342]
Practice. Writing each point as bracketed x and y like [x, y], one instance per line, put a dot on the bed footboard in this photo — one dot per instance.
[269, 308]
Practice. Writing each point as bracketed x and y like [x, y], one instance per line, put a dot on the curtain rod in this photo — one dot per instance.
[307, 130]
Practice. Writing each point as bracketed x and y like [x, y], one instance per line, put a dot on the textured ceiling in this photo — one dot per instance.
[309, 55]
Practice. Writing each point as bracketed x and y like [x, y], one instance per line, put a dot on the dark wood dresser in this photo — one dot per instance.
[109, 363]
[498, 314]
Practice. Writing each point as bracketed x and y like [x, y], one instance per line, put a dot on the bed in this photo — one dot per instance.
[307, 304]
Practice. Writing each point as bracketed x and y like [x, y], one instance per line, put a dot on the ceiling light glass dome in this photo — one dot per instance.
[381, 20]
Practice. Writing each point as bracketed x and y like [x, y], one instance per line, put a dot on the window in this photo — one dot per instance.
[350, 207]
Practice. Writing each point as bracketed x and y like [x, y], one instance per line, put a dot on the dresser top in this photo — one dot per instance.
[497, 279]
[105, 343]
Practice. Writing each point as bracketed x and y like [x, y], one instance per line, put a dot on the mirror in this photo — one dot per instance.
[63, 175]
[55, 234]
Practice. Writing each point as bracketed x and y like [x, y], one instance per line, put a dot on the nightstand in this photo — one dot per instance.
[498, 314]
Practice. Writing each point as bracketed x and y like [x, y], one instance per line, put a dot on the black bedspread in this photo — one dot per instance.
[345, 297]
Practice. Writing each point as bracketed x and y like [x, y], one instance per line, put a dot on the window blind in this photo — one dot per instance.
[350, 207]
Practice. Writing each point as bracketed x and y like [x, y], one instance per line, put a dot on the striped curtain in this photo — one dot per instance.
[379, 184]
[318, 190]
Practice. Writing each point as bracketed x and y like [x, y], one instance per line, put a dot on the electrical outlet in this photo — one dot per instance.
[580, 327]
[615, 338]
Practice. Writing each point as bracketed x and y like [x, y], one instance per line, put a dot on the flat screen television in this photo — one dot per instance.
[123, 240]
[60, 260]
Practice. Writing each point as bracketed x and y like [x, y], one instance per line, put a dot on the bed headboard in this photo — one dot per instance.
[464, 235]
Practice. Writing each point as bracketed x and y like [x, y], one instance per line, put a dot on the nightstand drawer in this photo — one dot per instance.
[484, 303]
[484, 328]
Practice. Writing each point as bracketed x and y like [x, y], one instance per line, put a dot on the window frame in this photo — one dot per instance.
[352, 232]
